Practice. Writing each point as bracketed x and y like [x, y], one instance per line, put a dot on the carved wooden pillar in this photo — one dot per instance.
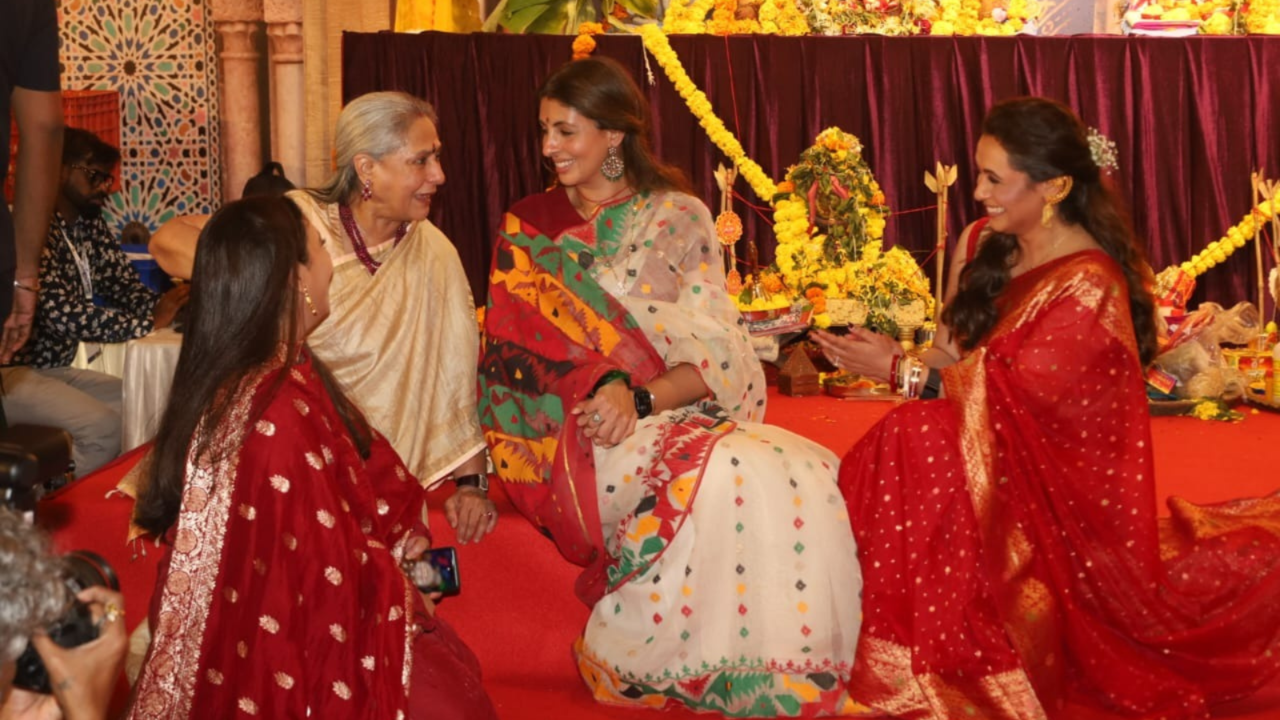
[289, 96]
[237, 23]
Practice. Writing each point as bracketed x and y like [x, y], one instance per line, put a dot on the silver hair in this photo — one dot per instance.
[32, 593]
[375, 124]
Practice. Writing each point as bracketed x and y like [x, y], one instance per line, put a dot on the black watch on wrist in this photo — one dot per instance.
[644, 402]
[475, 480]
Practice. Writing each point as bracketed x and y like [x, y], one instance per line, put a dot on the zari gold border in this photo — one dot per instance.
[168, 682]
[890, 685]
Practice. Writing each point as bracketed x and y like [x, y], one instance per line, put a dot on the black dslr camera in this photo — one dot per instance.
[81, 569]
[35, 460]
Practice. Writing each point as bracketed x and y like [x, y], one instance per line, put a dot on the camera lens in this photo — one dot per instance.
[86, 569]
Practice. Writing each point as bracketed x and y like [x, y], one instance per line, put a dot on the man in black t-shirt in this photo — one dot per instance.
[29, 85]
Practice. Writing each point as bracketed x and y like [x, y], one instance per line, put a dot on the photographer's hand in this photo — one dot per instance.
[26, 705]
[84, 677]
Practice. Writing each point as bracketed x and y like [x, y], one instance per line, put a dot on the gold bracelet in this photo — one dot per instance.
[33, 290]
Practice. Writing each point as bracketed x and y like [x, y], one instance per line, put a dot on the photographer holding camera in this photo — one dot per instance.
[33, 595]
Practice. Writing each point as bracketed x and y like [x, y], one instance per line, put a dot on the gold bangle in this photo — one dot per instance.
[33, 290]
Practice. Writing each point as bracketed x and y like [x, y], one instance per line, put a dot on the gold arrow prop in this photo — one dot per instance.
[939, 183]
[1265, 190]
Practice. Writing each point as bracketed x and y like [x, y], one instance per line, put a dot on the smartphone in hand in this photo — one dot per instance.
[436, 571]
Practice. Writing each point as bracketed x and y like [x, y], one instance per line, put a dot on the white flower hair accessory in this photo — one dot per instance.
[1103, 150]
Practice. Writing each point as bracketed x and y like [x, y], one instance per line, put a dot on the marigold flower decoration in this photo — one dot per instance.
[656, 42]
[691, 19]
[964, 17]
[1263, 17]
[584, 44]
[830, 189]
[1216, 252]
[782, 17]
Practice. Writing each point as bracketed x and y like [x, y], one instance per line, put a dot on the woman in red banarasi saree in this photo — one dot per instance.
[281, 592]
[1015, 566]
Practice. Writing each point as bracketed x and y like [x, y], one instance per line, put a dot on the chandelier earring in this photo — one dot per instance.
[1064, 189]
[310, 303]
[613, 167]
[366, 190]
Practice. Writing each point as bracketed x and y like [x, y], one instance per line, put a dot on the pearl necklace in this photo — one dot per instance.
[357, 238]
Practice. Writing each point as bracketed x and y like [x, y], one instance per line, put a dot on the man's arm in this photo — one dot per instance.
[39, 119]
[174, 245]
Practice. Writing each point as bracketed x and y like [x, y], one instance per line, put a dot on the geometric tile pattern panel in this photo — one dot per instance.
[161, 58]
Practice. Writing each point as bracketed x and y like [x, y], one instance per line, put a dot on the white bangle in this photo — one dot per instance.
[911, 384]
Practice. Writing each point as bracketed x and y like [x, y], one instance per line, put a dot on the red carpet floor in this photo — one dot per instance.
[517, 609]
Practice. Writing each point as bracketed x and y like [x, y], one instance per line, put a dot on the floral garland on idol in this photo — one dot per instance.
[829, 219]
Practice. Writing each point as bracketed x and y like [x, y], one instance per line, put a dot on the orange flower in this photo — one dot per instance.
[733, 283]
[877, 199]
[786, 186]
[619, 11]
[582, 46]
[771, 283]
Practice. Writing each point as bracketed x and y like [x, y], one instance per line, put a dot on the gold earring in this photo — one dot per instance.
[310, 304]
[1046, 215]
[1064, 189]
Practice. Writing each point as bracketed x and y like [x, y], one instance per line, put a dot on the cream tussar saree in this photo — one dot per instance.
[403, 341]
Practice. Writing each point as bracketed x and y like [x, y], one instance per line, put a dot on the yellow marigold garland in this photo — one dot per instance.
[782, 17]
[691, 19]
[1216, 252]
[1263, 17]
[656, 43]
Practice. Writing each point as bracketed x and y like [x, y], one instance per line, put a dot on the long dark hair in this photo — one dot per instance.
[1045, 140]
[604, 91]
[243, 313]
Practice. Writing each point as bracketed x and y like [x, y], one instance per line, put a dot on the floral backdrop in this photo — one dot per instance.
[160, 57]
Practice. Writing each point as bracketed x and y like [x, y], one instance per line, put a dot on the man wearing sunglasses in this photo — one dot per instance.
[89, 293]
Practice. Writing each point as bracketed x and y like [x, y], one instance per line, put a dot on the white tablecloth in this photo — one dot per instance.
[110, 359]
[149, 363]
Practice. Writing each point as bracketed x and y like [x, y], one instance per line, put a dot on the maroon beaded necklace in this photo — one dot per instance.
[357, 239]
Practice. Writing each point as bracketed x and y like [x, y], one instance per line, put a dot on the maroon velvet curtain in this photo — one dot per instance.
[1191, 118]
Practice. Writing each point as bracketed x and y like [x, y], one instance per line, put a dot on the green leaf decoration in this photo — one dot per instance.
[642, 8]
[556, 17]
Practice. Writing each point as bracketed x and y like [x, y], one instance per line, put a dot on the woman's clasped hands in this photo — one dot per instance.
[609, 416]
[862, 351]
